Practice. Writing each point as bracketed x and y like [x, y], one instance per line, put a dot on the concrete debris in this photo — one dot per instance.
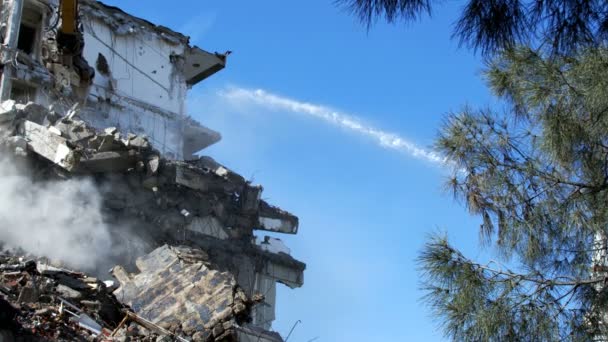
[153, 165]
[8, 111]
[175, 296]
[218, 286]
[176, 288]
[126, 131]
[34, 307]
[82, 150]
[111, 161]
[139, 142]
[210, 226]
[48, 145]
[111, 130]
[68, 292]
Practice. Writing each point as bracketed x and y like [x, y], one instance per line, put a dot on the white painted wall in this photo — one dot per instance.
[140, 65]
[144, 93]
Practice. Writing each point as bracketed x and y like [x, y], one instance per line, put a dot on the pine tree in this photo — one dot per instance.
[537, 173]
[491, 25]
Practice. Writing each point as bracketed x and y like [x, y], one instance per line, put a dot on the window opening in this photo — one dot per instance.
[22, 93]
[27, 39]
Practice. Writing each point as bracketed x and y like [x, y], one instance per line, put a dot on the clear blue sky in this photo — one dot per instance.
[365, 207]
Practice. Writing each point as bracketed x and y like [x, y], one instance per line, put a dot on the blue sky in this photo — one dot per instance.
[337, 123]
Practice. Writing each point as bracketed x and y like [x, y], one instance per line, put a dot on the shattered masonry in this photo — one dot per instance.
[112, 108]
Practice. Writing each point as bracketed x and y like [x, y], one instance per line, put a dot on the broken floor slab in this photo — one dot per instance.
[75, 130]
[188, 177]
[183, 291]
[208, 225]
[284, 274]
[48, 145]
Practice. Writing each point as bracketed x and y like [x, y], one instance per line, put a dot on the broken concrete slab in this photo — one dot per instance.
[68, 292]
[75, 130]
[189, 177]
[8, 111]
[139, 142]
[28, 294]
[285, 275]
[55, 131]
[208, 225]
[33, 112]
[111, 130]
[209, 164]
[153, 165]
[275, 219]
[48, 145]
[279, 225]
[186, 292]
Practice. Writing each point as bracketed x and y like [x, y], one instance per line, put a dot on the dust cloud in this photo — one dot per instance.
[61, 220]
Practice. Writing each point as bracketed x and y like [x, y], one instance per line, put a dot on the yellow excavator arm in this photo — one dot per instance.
[68, 11]
[70, 39]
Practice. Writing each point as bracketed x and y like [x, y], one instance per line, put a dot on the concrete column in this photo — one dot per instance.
[12, 37]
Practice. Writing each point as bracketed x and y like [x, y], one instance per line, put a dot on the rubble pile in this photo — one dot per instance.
[204, 276]
[69, 142]
[177, 288]
[41, 302]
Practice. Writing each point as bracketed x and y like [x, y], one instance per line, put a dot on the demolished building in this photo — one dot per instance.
[111, 107]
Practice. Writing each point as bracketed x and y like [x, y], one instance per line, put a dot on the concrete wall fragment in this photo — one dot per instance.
[208, 225]
[176, 287]
[48, 145]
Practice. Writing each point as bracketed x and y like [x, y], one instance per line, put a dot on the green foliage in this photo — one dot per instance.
[537, 174]
[491, 25]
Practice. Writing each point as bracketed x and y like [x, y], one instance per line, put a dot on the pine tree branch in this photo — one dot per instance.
[548, 282]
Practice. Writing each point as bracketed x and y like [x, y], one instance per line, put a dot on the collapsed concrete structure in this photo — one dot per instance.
[114, 111]
[136, 74]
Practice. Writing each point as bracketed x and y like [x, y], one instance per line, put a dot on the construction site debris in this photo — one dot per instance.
[176, 287]
[34, 307]
[175, 295]
[117, 157]
[205, 290]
